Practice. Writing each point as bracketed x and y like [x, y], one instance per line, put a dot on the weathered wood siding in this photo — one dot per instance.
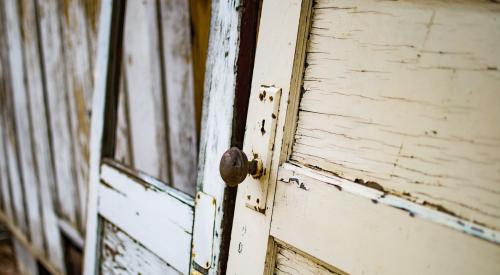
[156, 130]
[402, 96]
[47, 54]
[47, 59]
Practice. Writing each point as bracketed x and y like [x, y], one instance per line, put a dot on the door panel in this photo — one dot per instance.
[384, 160]
[124, 255]
[144, 208]
[404, 95]
[340, 223]
[132, 201]
[156, 130]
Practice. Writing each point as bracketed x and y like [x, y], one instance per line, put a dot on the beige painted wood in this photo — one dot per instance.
[356, 234]
[354, 225]
[405, 95]
[291, 262]
[123, 255]
[144, 87]
[274, 61]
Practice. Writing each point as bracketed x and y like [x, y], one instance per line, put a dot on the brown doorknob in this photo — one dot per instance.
[234, 167]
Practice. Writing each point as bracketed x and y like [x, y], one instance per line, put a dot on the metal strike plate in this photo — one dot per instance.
[262, 144]
[203, 237]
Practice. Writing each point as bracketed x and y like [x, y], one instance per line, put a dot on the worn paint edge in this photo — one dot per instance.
[142, 178]
[414, 210]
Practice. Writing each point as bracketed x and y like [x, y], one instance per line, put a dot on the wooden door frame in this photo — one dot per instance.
[228, 77]
[229, 67]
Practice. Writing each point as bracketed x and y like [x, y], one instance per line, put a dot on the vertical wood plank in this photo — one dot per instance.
[178, 75]
[79, 88]
[144, 86]
[4, 86]
[109, 49]
[16, 82]
[4, 179]
[22, 122]
[53, 53]
[41, 145]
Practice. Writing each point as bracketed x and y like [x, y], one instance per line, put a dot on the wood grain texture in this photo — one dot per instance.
[200, 11]
[326, 217]
[78, 74]
[403, 96]
[175, 34]
[7, 206]
[144, 85]
[121, 254]
[290, 262]
[37, 112]
[15, 83]
[52, 46]
[22, 121]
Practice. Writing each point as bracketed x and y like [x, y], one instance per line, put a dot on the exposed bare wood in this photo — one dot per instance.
[121, 254]
[290, 262]
[404, 94]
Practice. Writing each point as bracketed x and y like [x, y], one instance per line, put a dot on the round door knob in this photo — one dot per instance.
[234, 167]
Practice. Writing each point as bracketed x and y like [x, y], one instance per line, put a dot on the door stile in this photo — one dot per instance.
[249, 238]
[104, 115]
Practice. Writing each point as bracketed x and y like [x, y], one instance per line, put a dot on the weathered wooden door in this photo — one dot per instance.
[381, 155]
[143, 146]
